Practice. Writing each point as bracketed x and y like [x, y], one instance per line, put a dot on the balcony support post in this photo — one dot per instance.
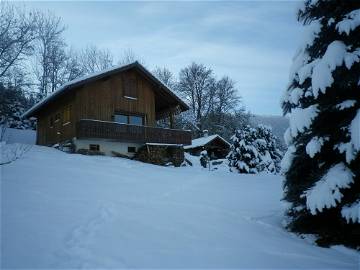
[171, 119]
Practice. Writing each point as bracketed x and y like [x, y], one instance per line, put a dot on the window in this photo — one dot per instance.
[57, 117]
[121, 118]
[94, 147]
[131, 149]
[129, 119]
[51, 121]
[129, 87]
[66, 115]
[136, 120]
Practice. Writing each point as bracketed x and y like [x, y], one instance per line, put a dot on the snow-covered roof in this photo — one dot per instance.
[98, 75]
[202, 141]
[163, 144]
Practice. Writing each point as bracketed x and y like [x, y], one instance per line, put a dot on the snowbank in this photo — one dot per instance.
[25, 136]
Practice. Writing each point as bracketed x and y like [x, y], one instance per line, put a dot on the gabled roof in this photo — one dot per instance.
[162, 87]
[202, 141]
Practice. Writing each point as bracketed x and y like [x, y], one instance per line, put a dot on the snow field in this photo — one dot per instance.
[71, 211]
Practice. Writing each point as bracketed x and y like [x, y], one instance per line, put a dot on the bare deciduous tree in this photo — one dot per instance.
[128, 56]
[197, 86]
[73, 65]
[226, 95]
[166, 76]
[17, 33]
[94, 59]
[50, 51]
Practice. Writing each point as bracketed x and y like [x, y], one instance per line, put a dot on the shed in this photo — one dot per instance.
[216, 146]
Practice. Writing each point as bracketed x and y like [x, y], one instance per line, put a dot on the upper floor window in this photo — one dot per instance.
[129, 87]
[129, 119]
[136, 120]
[121, 118]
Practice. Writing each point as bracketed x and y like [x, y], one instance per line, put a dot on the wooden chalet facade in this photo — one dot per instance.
[111, 111]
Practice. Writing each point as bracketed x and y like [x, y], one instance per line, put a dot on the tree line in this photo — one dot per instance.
[215, 104]
[35, 56]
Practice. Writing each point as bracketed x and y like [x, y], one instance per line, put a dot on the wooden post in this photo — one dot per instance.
[171, 116]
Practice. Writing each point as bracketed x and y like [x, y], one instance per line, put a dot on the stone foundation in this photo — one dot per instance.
[161, 154]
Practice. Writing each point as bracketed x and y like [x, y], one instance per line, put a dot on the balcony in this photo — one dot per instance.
[87, 128]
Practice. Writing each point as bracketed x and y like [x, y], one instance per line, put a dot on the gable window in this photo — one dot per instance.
[66, 115]
[131, 149]
[94, 147]
[131, 119]
[129, 87]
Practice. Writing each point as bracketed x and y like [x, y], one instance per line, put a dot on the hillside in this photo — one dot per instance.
[71, 211]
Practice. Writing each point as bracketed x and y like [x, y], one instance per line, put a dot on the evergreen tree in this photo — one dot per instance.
[13, 103]
[268, 149]
[322, 164]
[243, 156]
[254, 150]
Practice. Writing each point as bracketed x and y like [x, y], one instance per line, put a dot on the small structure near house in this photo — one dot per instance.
[113, 112]
[161, 154]
[216, 146]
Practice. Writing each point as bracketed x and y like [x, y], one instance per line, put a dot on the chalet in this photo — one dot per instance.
[113, 112]
[216, 146]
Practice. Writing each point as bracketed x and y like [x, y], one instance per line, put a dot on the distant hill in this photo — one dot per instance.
[278, 123]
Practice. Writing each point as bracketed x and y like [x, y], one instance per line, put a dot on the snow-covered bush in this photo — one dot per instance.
[322, 165]
[254, 150]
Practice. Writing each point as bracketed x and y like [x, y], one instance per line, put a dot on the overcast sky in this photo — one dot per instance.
[251, 41]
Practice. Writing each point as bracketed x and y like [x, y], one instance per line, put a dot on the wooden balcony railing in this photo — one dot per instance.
[87, 128]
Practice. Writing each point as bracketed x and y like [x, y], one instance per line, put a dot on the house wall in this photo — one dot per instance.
[96, 100]
[106, 147]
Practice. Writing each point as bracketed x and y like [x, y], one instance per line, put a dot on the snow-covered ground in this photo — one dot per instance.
[63, 210]
[13, 135]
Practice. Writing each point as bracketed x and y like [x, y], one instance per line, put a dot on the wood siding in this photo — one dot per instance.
[96, 100]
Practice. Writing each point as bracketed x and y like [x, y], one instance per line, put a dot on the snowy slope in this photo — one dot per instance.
[70, 211]
[13, 135]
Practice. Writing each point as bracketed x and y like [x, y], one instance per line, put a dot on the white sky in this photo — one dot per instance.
[251, 41]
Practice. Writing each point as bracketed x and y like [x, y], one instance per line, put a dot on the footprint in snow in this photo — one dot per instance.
[77, 252]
